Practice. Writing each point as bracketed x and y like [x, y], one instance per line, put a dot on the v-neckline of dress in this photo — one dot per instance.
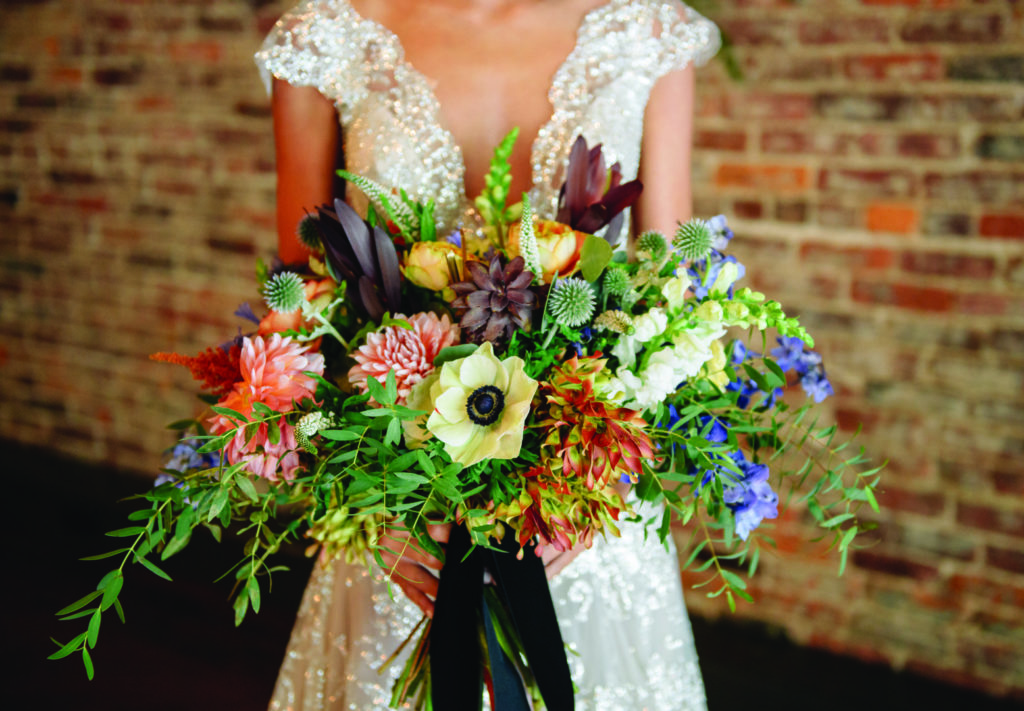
[427, 85]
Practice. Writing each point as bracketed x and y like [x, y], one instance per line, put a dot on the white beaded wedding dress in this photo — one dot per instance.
[620, 604]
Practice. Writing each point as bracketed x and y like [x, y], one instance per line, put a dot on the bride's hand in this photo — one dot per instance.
[411, 568]
[555, 560]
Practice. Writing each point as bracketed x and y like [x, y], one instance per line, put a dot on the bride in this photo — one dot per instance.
[424, 91]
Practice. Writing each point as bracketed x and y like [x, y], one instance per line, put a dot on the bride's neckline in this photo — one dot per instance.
[427, 85]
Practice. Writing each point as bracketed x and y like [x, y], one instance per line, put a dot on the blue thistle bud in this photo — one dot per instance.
[616, 281]
[571, 302]
[693, 240]
[284, 292]
[653, 243]
[308, 232]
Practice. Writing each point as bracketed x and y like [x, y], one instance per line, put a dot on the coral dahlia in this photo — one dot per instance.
[273, 373]
[409, 352]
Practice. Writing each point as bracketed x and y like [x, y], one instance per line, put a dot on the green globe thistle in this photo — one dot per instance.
[654, 244]
[617, 321]
[616, 281]
[308, 232]
[693, 240]
[284, 292]
[571, 302]
[344, 534]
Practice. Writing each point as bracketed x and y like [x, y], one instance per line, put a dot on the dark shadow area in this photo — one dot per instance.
[181, 650]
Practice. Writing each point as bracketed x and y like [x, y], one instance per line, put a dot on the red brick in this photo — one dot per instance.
[204, 51]
[893, 565]
[1011, 560]
[721, 140]
[905, 296]
[979, 186]
[919, 502]
[852, 258]
[911, 3]
[903, 67]
[892, 218]
[991, 518]
[774, 178]
[748, 209]
[875, 183]
[928, 145]
[946, 264]
[952, 27]
[986, 304]
[836, 30]
[989, 591]
[1010, 226]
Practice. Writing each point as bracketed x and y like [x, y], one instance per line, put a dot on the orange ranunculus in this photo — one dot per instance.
[427, 264]
[318, 293]
[558, 246]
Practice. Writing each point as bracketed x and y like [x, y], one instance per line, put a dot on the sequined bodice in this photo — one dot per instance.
[393, 132]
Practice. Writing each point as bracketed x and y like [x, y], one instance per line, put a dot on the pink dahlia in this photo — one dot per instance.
[410, 352]
[273, 373]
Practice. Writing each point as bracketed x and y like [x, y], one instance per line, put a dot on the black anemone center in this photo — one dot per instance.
[485, 404]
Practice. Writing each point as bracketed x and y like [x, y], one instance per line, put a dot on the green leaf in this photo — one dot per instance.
[68, 648]
[126, 532]
[734, 580]
[342, 435]
[253, 588]
[248, 488]
[93, 633]
[394, 433]
[119, 610]
[230, 414]
[872, 501]
[151, 567]
[595, 255]
[79, 603]
[220, 500]
[836, 520]
[451, 353]
[377, 391]
[390, 388]
[87, 661]
[241, 607]
[273, 432]
[111, 591]
[108, 554]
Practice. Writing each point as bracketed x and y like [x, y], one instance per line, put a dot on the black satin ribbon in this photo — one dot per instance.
[455, 654]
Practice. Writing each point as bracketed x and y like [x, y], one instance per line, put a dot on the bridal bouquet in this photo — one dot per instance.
[518, 379]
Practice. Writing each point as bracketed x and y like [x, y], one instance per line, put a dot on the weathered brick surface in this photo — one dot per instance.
[871, 162]
[904, 256]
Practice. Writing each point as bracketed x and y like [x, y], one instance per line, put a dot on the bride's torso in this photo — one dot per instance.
[422, 110]
[490, 68]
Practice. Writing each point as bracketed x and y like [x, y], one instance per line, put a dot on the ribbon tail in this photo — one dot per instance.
[524, 588]
[455, 655]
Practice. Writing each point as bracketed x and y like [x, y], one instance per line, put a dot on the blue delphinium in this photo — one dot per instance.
[245, 311]
[792, 354]
[184, 456]
[454, 238]
[751, 498]
[745, 387]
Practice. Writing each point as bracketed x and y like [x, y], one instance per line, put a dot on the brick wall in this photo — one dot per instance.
[872, 161]
[875, 156]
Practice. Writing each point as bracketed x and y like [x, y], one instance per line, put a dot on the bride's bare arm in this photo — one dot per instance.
[665, 156]
[305, 143]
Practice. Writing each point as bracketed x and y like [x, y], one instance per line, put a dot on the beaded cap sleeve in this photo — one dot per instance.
[393, 132]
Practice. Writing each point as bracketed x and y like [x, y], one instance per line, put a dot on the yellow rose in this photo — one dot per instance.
[426, 264]
[558, 245]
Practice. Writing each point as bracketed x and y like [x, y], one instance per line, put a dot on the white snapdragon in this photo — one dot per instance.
[645, 328]
[727, 276]
[674, 291]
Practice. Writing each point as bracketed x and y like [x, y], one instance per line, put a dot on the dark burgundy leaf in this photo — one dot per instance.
[611, 235]
[358, 235]
[390, 273]
[371, 302]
